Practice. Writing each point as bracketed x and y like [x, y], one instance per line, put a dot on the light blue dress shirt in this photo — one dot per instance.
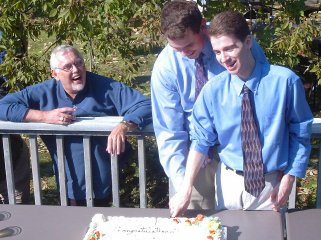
[283, 116]
[173, 96]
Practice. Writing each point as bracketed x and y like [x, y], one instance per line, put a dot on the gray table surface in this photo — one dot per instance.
[303, 224]
[56, 222]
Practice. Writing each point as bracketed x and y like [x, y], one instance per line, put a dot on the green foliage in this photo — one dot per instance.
[286, 41]
[108, 32]
[18, 25]
[114, 33]
[307, 186]
[217, 6]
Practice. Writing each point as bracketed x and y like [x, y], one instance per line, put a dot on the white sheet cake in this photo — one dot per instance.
[149, 228]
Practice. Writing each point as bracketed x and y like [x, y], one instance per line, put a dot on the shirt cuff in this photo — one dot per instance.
[199, 148]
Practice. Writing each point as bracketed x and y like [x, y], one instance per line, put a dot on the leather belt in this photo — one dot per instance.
[238, 172]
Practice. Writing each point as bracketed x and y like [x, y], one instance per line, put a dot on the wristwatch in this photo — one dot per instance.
[126, 123]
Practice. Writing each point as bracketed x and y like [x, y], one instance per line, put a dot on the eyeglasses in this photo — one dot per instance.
[79, 63]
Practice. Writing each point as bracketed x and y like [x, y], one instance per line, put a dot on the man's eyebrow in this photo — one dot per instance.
[225, 47]
[230, 46]
[181, 48]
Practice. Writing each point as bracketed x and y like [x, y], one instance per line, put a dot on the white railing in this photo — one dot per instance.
[87, 127]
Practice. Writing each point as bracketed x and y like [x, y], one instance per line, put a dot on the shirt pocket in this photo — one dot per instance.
[272, 130]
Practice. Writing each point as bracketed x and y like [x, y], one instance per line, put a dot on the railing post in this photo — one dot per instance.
[115, 179]
[88, 171]
[292, 196]
[85, 127]
[142, 171]
[35, 168]
[9, 169]
[61, 170]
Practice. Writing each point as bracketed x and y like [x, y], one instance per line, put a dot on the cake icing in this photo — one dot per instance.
[152, 228]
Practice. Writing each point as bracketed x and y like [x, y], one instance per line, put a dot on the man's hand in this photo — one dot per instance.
[62, 116]
[281, 192]
[180, 201]
[116, 139]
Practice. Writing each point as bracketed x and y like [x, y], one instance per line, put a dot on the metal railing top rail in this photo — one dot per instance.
[316, 127]
[92, 126]
[81, 126]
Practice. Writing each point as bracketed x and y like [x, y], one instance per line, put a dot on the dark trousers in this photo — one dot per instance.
[104, 202]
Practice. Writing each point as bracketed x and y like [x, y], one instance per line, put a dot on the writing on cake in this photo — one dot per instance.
[152, 228]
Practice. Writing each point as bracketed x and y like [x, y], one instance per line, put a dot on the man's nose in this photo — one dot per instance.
[74, 68]
[224, 57]
[185, 52]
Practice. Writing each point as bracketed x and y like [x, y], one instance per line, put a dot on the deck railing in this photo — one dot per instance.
[87, 127]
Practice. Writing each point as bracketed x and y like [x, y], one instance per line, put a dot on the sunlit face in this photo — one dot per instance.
[233, 54]
[71, 72]
[190, 45]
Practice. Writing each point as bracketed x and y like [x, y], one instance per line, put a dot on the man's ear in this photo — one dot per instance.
[249, 41]
[203, 26]
[54, 74]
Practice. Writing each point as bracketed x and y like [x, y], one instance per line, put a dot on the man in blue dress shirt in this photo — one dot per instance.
[173, 94]
[282, 114]
[75, 92]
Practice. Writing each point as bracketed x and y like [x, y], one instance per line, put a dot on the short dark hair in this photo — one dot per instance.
[229, 23]
[178, 16]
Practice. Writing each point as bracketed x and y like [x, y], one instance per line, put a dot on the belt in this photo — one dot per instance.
[238, 172]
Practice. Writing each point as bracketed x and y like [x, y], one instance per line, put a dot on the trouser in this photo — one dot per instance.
[104, 202]
[21, 174]
[230, 192]
[203, 194]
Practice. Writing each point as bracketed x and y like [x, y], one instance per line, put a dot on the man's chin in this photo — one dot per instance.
[192, 56]
[78, 87]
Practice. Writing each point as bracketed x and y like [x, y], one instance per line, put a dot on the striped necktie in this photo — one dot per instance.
[252, 150]
[200, 75]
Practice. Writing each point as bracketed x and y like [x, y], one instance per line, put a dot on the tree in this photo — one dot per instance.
[113, 32]
[106, 31]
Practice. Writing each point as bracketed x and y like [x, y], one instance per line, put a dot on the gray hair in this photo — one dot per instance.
[61, 49]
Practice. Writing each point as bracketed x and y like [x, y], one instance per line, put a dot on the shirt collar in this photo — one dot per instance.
[252, 82]
[61, 90]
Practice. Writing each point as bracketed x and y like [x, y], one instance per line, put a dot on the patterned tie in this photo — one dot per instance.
[252, 150]
[200, 75]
